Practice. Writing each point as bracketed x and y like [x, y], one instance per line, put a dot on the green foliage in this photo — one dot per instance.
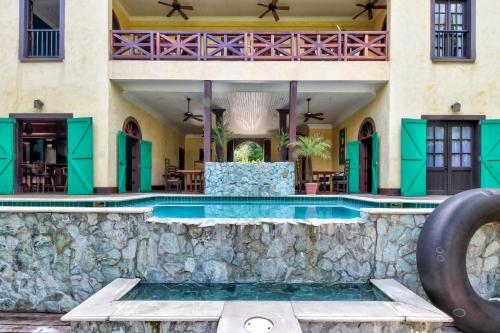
[283, 139]
[248, 152]
[220, 133]
[312, 146]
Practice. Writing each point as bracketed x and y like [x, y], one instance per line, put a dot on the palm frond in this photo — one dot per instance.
[312, 146]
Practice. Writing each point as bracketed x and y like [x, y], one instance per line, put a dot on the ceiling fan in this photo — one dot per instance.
[369, 7]
[188, 115]
[272, 7]
[176, 6]
[308, 115]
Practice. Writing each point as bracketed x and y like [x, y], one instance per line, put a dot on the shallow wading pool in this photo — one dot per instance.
[254, 292]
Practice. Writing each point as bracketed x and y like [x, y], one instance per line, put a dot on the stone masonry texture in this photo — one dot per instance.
[51, 262]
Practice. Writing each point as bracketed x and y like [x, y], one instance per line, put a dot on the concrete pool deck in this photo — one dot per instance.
[405, 307]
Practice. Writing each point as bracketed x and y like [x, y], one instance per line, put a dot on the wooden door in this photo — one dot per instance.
[437, 157]
[451, 157]
[461, 159]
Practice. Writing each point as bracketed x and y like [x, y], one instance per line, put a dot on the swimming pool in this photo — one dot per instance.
[253, 208]
[254, 292]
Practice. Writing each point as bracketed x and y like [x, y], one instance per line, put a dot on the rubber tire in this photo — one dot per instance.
[441, 259]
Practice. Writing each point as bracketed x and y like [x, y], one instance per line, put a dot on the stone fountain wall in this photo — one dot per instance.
[250, 179]
[53, 261]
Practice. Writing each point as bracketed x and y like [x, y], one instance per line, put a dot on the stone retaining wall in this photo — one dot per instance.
[52, 261]
[250, 179]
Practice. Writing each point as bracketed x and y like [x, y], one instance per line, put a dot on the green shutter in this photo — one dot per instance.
[413, 157]
[490, 153]
[80, 156]
[7, 156]
[375, 159]
[121, 161]
[146, 163]
[353, 156]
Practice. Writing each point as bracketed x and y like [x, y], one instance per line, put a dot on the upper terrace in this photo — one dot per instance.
[221, 30]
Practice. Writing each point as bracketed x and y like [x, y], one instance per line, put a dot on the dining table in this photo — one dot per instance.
[193, 180]
[325, 179]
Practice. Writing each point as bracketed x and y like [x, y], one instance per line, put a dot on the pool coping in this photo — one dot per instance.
[406, 306]
[139, 196]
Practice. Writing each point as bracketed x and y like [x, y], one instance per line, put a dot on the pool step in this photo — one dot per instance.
[270, 317]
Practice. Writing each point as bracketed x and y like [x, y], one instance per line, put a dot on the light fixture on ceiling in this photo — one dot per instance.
[456, 107]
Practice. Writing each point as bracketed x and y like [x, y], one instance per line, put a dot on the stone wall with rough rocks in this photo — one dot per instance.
[53, 261]
[395, 253]
[250, 179]
[144, 327]
[377, 327]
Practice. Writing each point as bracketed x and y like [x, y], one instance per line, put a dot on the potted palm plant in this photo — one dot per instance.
[219, 134]
[308, 147]
[283, 143]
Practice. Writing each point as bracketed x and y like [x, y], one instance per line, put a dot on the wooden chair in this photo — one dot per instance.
[172, 179]
[40, 176]
[342, 185]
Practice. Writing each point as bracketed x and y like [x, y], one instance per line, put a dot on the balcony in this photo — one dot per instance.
[249, 46]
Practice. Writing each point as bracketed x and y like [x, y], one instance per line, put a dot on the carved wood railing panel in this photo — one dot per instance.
[225, 46]
[178, 45]
[250, 46]
[133, 45]
[365, 45]
[271, 46]
[319, 46]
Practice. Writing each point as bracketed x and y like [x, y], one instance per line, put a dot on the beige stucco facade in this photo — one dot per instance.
[411, 85]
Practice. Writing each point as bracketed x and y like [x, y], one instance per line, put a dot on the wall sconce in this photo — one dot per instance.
[37, 104]
[457, 107]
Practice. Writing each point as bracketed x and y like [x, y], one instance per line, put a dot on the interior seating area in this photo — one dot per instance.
[43, 151]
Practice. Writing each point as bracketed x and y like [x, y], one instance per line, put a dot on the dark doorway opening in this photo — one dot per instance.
[133, 159]
[41, 153]
[366, 152]
[365, 135]
[182, 159]
[133, 154]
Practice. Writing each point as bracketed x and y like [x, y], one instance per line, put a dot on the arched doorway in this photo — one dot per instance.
[129, 175]
[366, 156]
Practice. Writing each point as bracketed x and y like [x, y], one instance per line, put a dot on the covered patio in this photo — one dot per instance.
[255, 112]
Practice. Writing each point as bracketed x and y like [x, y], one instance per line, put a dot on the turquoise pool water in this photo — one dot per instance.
[253, 208]
[254, 292]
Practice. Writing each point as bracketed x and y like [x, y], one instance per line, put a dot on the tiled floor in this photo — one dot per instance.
[32, 323]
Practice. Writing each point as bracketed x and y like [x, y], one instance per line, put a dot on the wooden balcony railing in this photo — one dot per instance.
[42, 43]
[249, 46]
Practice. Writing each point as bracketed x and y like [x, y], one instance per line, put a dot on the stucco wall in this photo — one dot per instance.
[78, 85]
[166, 141]
[379, 111]
[418, 86]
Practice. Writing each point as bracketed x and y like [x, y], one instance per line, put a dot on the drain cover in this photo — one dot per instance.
[258, 325]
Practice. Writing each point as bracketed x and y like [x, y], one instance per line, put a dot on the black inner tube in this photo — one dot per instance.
[441, 259]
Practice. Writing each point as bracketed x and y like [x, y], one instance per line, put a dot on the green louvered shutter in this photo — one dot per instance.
[375, 158]
[353, 157]
[121, 161]
[413, 157]
[146, 164]
[490, 153]
[7, 156]
[80, 156]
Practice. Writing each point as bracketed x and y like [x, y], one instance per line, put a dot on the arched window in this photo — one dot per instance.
[131, 128]
[366, 129]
